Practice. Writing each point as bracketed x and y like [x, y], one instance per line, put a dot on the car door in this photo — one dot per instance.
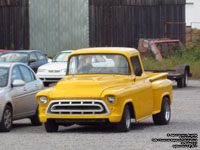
[42, 59]
[31, 88]
[18, 95]
[144, 98]
[33, 61]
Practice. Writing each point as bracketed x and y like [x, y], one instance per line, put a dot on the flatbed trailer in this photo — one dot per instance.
[180, 75]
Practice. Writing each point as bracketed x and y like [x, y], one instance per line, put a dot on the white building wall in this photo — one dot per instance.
[193, 13]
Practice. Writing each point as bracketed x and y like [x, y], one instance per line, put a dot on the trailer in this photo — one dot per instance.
[161, 48]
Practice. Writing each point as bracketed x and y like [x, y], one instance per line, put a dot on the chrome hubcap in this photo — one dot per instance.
[7, 119]
[128, 120]
[167, 112]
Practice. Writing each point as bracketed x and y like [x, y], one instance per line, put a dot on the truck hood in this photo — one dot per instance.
[81, 86]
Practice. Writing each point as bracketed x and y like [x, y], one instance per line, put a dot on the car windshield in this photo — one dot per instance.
[3, 76]
[61, 57]
[14, 57]
[98, 64]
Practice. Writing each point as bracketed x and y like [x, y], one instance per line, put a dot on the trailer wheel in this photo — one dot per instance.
[186, 78]
[181, 82]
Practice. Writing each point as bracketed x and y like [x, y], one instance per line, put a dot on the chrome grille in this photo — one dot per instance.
[77, 107]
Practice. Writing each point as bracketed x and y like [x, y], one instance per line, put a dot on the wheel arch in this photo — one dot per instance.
[10, 105]
[131, 106]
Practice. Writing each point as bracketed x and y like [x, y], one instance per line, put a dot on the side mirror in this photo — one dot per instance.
[138, 72]
[17, 83]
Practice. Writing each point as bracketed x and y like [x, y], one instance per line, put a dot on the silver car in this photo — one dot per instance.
[18, 86]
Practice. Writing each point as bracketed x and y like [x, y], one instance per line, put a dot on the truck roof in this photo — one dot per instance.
[110, 50]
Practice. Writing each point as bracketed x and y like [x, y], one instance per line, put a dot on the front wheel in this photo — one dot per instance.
[125, 124]
[163, 117]
[35, 121]
[51, 126]
[6, 121]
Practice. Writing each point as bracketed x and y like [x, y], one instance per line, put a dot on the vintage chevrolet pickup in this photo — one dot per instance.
[106, 85]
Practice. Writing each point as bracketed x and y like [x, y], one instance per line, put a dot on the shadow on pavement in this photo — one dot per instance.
[103, 128]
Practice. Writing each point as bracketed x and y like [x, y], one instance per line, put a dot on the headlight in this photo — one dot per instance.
[41, 70]
[43, 99]
[111, 99]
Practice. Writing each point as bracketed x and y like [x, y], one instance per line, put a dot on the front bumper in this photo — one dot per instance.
[111, 117]
[50, 78]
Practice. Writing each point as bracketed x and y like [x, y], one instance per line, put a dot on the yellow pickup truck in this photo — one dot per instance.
[106, 85]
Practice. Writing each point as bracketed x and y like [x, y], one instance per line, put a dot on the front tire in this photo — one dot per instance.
[163, 117]
[35, 121]
[51, 126]
[125, 124]
[6, 121]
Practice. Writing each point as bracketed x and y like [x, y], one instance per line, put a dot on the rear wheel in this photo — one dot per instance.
[164, 116]
[51, 126]
[6, 121]
[125, 124]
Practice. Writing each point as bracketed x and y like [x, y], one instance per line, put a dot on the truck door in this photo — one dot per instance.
[144, 98]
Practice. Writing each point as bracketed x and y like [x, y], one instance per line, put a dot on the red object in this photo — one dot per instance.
[157, 47]
[1, 50]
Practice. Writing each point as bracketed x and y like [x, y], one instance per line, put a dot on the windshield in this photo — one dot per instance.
[98, 64]
[61, 57]
[14, 57]
[3, 77]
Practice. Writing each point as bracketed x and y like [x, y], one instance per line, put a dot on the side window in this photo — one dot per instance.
[40, 56]
[136, 65]
[16, 74]
[27, 74]
[33, 57]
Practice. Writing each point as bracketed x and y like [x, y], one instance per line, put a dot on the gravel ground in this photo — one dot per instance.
[185, 119]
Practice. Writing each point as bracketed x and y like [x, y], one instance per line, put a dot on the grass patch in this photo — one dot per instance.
[191, 56]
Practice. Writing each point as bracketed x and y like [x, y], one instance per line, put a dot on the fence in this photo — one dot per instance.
[14, 24]
[123, 22]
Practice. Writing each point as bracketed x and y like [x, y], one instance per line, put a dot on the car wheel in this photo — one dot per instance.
[6, 122]
[163, 117]
[51, 126]
[125, 124]
[46, 83]
[35, 121]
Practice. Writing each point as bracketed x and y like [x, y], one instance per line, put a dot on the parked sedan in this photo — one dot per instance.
[55, 70]
[32, 58]
[18, 86]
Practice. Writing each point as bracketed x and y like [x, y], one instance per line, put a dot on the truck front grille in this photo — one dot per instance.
[77, 107]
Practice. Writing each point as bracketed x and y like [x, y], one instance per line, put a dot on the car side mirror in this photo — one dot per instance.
[17, 83]
[138, 72]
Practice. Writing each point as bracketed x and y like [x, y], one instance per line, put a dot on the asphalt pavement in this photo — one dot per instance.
[184, 124]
